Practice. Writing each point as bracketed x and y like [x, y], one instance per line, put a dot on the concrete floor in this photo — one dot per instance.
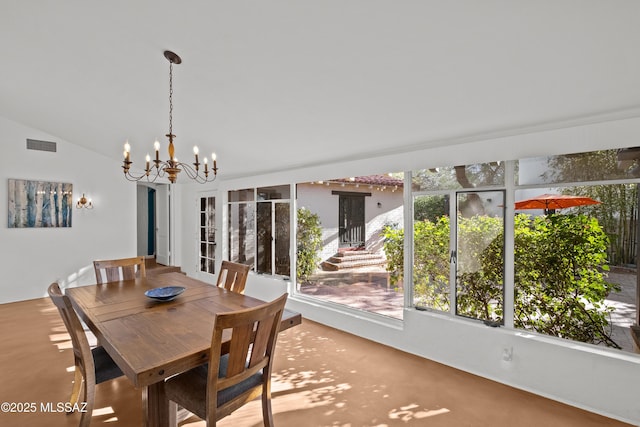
[321, 377]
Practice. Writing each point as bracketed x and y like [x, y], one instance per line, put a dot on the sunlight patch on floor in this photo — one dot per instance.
[107, 410]
[412, 412]
[62, 341]
[288, 400]
[292, 379]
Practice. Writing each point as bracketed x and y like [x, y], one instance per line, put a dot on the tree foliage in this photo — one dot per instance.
[309, 240]
[618, 208]
[560, 267]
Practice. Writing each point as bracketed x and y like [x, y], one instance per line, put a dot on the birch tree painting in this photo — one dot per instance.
[39, 204]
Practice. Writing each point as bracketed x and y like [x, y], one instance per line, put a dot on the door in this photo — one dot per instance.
[273, 238]
[163, 221]
[351, 230]
[206, 236]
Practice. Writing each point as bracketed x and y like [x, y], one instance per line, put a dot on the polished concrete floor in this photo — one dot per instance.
[322, 377]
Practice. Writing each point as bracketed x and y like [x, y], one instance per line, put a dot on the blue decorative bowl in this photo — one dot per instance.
[166, 293]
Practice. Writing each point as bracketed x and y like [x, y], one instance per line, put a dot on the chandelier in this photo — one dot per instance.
[170, 168]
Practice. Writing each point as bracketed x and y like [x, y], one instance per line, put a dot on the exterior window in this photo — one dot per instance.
[207, 234]
[259, 229]
[478, 259]
[432, 253]
[273, 230]
[343, 228]
[242, 227]
[574, 236]
[459, 262]
[576, 247]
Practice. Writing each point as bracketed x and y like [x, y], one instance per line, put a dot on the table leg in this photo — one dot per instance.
[156, 411]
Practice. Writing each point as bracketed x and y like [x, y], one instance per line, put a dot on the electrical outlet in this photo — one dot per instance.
[507, 354]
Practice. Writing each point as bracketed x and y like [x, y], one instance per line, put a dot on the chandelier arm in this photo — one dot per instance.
[194, 174]
[135, 178]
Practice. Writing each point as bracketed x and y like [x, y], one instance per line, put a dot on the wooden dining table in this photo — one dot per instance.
[152, 340]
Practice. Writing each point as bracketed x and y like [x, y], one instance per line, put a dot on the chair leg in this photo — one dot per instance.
[267, 414]
[173, 413]
[77, 382]
[89, 395]
[85, 419]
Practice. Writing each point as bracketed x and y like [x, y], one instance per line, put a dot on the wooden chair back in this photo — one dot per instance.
[254, 332]
[84, 364]
[233, 276]
[119, 269]
[239, 368]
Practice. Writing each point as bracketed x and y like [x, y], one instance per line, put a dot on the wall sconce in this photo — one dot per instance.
[83, 202]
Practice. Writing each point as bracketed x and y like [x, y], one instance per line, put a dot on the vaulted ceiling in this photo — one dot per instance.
[290, 83]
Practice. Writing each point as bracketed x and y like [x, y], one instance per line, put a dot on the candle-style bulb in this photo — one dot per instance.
[195, 150]
[127, 149]
[156, 145]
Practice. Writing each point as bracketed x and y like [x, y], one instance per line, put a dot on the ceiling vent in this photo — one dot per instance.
[34, 144]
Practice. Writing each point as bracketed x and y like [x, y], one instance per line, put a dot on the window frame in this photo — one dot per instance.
[253, 203]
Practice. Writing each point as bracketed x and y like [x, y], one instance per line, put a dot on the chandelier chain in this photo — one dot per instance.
[170, 97]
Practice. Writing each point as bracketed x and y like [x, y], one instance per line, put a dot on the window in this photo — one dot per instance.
[459, 262]
[259, 229]
[207, 234]
[566, 270]
[342, 228]
[478, 256]
[573, 234]
[273, 230]
[575, 252]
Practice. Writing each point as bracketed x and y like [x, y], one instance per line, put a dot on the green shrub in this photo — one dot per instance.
[309, 239]
[560, 268]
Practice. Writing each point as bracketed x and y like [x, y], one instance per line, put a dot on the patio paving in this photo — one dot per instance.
[625, 304]
[365, 288]
[368, 289]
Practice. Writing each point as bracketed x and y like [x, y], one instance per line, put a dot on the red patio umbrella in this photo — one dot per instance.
[551, 202]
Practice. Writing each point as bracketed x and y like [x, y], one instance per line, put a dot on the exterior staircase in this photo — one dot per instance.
[344, 260]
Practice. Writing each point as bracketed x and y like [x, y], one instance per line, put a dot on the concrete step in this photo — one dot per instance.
[353, 259]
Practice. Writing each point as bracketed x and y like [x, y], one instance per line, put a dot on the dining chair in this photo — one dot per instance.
[239, 369]
[92, 366]
[119, 269]
[233, 276]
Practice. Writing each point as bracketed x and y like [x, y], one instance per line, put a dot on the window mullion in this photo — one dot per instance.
[408, 241]
[453, 248]
[509, 245]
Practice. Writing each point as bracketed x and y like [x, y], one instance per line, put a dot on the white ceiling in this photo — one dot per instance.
[279, 84]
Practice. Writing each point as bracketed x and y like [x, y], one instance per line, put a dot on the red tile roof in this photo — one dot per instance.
[373, 180]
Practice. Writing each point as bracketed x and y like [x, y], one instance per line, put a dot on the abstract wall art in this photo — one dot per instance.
[34, 204]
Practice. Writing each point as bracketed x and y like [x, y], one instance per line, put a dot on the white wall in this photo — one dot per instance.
[599, 380]
[142, 220]
[33, 258]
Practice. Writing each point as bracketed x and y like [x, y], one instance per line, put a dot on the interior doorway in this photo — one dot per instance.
[153, 222]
